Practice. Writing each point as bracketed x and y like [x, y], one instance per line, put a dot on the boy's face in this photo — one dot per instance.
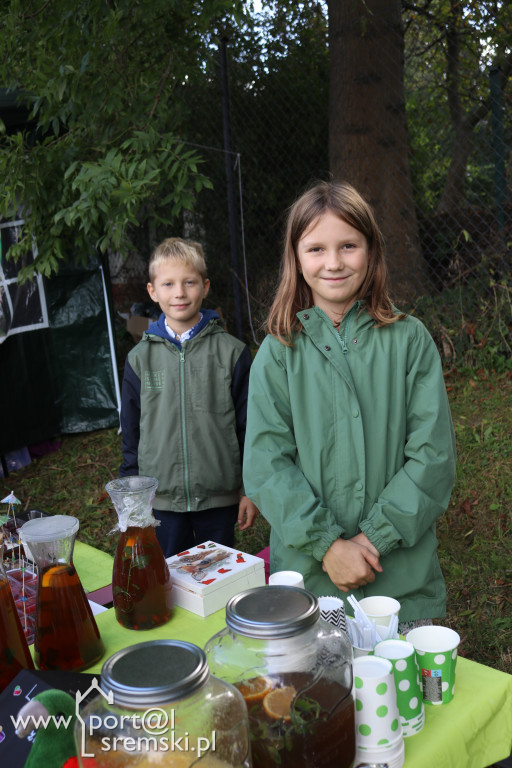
[180, 290]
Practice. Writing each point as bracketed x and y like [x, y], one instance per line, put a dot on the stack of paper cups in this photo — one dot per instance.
[379, 736]
[409, 693]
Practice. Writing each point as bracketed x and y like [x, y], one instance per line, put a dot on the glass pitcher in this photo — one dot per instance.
[158, 705]
[66, 634]
[14, 652]
[294, 671]
[141, 582]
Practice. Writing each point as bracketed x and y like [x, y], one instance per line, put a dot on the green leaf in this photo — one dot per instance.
[141, 561]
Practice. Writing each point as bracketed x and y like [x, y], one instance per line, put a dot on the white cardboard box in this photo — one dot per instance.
[206, 576]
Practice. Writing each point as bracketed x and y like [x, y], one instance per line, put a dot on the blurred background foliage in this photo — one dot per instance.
[139, 120]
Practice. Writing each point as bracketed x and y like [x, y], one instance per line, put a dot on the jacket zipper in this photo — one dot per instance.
[184, 424]
[343, 341]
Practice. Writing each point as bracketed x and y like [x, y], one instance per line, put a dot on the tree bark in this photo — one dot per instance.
[368, 142]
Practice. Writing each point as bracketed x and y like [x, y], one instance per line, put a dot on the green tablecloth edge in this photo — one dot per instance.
[467, 732]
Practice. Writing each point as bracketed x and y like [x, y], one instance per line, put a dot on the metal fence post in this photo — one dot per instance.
[230, 184]
[498, 144]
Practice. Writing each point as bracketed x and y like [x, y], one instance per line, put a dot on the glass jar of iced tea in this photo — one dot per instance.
[159, 705]
[295, 673]
[14, 651]
[141, 582]
[66, 634]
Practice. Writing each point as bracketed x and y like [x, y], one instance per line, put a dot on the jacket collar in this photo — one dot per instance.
[158, 327]
[314, 314]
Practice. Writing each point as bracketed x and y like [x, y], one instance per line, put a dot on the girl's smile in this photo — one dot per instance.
[333, 259]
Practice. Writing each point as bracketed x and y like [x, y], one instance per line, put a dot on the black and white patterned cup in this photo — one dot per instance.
[333, 611]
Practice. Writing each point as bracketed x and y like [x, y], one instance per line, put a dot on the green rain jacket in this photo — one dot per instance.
[183, 415]
[352, 432]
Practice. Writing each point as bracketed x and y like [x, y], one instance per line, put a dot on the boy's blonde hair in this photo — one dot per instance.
[177, 250]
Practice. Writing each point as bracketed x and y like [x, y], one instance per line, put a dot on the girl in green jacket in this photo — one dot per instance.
[350, 449]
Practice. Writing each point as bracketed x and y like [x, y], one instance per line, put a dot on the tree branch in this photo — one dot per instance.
[36, 13]
[158, 96]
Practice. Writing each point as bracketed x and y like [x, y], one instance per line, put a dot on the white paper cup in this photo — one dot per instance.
[391, 756]
[333, 611]
[378, 727]
[436, 651]
[357, 652]
[380, 608]
[287, 579]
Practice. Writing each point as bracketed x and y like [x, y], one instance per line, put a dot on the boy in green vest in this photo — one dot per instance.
[184, 404]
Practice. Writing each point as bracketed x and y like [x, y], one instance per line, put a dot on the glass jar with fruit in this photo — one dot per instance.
[295, 673]
[158, 705]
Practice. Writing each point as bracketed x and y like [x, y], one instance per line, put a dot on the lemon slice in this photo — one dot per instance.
[277, 703]
[255, 688]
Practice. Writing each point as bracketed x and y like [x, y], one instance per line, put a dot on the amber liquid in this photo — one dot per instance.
[14, 652]
[141, 583]
[324, 737]
[66, 633]
[169, 759]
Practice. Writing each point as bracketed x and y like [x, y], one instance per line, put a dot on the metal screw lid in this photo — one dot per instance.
[155, 672]
[271, 612]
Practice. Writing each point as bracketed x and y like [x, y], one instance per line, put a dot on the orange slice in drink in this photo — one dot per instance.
[277, 703]
[255, 688]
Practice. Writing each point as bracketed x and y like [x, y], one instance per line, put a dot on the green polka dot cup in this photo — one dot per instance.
[377, 717]
[409, 692]
[436, 652]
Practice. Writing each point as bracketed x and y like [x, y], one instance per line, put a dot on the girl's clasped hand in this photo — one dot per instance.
[351, 563]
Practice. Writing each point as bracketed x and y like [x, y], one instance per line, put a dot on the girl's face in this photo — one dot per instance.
[333, 259]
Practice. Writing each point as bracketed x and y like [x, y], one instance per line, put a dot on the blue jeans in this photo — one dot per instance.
[179, 531]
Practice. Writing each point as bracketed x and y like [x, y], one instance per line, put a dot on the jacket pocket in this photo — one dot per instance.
[210, 393]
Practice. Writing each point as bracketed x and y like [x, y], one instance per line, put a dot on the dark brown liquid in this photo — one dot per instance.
[66, 633]
[14, 652]
[141, 583]
[321, 737]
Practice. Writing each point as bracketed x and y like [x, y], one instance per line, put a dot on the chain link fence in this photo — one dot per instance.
[279, 124]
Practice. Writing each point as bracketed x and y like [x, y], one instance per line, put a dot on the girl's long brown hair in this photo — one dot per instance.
[293, 293]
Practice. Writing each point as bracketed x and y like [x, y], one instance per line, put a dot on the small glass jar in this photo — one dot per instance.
[294, 671]
[159, 705]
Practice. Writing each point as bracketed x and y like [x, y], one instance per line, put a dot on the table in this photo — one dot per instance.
[472, 731]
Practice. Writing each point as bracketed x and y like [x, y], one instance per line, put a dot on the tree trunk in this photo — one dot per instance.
[368, 141]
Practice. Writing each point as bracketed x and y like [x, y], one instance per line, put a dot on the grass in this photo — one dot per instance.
[474, 534]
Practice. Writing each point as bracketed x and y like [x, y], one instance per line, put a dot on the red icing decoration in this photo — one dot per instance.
[240, 559]
[224, 570]
[208, 581]
[200, 546]
[180, 554]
